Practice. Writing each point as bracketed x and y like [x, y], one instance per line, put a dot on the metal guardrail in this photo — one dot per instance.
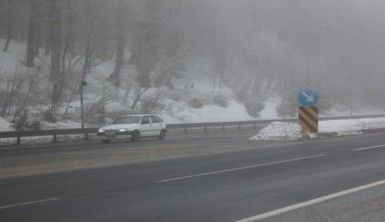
[184, 126]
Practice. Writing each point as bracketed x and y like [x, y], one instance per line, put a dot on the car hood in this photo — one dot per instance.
[120, 126]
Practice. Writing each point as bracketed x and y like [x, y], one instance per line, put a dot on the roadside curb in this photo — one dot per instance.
[336, 134]
[379, 130]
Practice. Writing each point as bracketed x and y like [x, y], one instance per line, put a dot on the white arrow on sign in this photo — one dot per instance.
[309, 99]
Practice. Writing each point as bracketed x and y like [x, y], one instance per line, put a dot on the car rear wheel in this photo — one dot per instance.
[162, 135]
[135, 136]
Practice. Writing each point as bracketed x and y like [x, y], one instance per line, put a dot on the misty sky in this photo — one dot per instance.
[339, 44]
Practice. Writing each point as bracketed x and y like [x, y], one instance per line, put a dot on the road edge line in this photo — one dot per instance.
[368, 148]
[310, 202]
[28, 203]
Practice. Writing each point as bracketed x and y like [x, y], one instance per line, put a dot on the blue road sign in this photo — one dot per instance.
[308, 97]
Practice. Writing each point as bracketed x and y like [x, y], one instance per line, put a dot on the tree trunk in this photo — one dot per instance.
[47, 43]
[9, 25]
[31, 39]
[137, 96]
[120, 46]
[87, 63]
[69, 31]
[55, 32]
[145, 51]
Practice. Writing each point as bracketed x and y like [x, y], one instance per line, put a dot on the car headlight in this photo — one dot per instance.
[123, 130]
[101, 130]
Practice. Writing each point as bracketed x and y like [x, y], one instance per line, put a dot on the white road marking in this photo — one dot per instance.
[28, 203]
[310, 202]
[239, 168]
[368, 148]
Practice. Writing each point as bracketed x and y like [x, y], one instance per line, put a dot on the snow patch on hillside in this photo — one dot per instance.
[64, 124]
[269, 110]
[181, 113]
[5, 126]
[175, 103]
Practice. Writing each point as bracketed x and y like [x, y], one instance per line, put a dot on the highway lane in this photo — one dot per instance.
[173, 139]
[211, 187]
[24, 161]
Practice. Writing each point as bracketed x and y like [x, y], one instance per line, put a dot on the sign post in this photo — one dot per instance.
[308, 111]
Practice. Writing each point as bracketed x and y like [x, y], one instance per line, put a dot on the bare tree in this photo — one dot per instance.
[32, 34]
[12, 83]
[88, 52]
[70, 19]
[138, 94]
[9, 25]
[145, 51]
[55, 32]
[120, 44]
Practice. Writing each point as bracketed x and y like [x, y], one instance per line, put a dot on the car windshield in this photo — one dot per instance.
[127, 120]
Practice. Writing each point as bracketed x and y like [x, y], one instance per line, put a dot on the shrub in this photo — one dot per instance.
[253, 107]
[220, 100]
[150, 106]
[49, 116]
[288, 108]
[34, 125]
[20, 120]
[196, 103]
[175, 95]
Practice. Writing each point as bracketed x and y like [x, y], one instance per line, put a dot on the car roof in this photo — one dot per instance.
[140, 115]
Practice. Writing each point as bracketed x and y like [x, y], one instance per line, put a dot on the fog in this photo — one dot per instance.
[258, 48]
[335, 46]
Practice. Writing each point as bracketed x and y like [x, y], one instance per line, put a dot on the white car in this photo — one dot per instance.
[134, 127]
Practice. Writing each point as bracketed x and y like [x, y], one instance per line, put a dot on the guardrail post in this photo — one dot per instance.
[54, 138]
[18, 142]
[223, 128]
[185, 130]
[86, 136]
[239, 127]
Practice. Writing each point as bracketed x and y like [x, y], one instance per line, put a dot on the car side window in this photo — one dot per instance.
[145, 120]
[160, 120]
[154, 119]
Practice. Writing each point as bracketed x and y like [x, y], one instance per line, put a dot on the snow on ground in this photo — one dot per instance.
[341, 110]
[182, 113]
[48, 139]
[269, 110]
[195, 84]
[5, 126]
[292, 131]
[63, 124]
[9, 60]
[176, 107]
[279, 131]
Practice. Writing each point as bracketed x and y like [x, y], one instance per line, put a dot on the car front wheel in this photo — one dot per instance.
[135, 136]
[162, 135]
[105, 141]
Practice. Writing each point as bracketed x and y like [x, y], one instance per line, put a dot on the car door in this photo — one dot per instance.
[156, 125]
[145, 126]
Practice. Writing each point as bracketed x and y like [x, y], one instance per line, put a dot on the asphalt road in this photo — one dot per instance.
[237, 179]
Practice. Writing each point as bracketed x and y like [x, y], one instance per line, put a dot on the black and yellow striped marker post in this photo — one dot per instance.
[308, 119]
